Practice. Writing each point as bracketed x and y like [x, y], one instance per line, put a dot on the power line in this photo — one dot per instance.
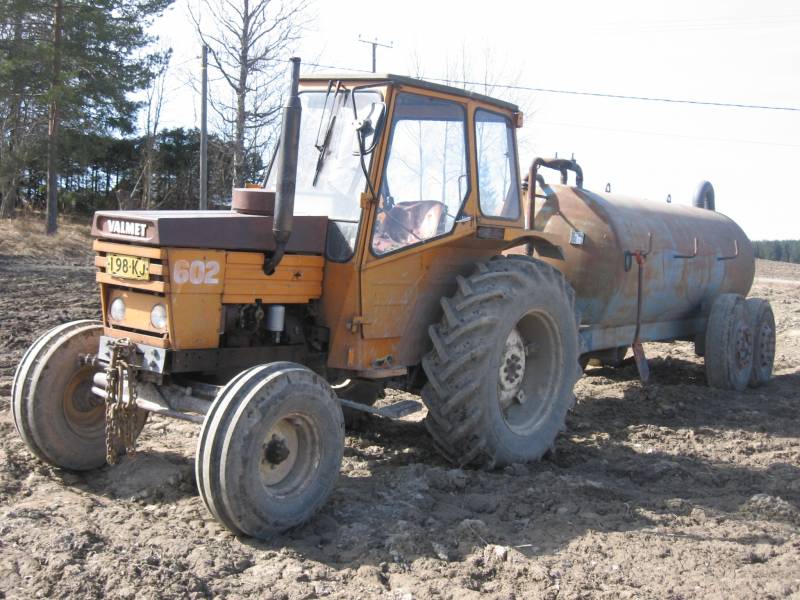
[666, 134]
[593, 94]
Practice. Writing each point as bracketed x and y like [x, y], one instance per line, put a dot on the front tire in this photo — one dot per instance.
[503, 365]
[270, 449]
[54, 410]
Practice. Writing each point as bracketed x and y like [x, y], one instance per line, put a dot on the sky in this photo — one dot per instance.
[725, 51]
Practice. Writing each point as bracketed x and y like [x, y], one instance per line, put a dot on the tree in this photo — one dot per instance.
[781, 250]
[22, 78]
[154, 103]
[83, 59]
[249, 41]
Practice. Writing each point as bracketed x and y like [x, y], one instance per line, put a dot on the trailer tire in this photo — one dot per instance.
[503, 365]
[762, 323]
[54, 410]
[270, 449]
[728, 344]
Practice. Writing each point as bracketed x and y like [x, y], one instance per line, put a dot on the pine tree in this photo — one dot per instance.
[88, 57]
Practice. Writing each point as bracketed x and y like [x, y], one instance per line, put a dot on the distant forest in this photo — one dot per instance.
[784, 250]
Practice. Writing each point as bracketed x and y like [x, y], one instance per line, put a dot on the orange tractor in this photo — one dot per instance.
[394, 243]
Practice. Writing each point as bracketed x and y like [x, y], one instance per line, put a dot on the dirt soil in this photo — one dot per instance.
[672, 490]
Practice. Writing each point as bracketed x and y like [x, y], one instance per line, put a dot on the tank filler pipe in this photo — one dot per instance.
[287, 171]
[559, 164]
[704, 196]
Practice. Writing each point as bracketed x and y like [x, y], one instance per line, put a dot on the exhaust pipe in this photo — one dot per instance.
[287, 171]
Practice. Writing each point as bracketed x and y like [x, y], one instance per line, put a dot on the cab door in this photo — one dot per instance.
[410, 261]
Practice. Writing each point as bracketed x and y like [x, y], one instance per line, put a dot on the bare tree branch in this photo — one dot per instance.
[249, 42]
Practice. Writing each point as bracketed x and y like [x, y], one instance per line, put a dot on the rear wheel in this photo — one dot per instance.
[728, 343]
[762, 323]
[270, 449]
[55, 412]
[503, 364]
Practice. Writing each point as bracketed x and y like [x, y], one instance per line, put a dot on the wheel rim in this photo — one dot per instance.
[766, 346]
[530, 361]
[83, 411]
[512, 370]
[290, 455]
[744, 347]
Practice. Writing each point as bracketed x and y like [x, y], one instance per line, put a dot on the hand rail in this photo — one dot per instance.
[687, 256]
[735, 252]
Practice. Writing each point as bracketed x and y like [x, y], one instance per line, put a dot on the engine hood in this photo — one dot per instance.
[214, 229]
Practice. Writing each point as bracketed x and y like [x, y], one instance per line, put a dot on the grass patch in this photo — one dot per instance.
[23, 237]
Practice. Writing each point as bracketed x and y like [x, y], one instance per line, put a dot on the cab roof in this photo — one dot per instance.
[388, 78]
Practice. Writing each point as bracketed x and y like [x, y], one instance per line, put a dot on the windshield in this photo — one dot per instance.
[329, 174]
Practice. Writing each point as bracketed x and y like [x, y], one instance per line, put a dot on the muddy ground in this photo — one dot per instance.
[672, 490]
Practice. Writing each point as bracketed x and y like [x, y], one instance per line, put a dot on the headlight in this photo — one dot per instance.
[117, 310]
[158, 316]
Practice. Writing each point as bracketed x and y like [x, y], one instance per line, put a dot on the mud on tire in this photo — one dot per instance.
[503, 365]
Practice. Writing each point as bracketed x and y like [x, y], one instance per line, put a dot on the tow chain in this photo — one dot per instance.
[120, 407]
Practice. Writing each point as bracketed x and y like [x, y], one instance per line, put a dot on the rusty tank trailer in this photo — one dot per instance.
[641, 270]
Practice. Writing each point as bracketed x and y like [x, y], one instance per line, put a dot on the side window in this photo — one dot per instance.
[498, 182]
[425, 180]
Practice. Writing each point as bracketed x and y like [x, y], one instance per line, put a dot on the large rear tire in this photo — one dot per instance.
[54, 410]
[728, 344]
[270, 449]
[503, 365]
[762, 323]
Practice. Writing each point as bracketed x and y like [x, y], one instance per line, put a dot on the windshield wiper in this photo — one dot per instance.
[322, 145]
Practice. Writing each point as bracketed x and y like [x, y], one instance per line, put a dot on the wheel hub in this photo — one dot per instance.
[82, 409]
[512, 370]
[279, 452]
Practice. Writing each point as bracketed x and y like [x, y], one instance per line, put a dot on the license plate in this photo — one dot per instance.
[127, 267]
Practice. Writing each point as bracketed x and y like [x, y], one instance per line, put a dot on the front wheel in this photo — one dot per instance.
[503, 365]
[54, 410]
[270, 449]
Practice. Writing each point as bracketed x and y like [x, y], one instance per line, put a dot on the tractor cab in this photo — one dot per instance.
[417, 158]
[417, 180]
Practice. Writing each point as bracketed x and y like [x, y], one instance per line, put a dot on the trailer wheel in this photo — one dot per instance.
[728, 344]
[270, 449]
[503, 365]
[54, 410]
[762, 322]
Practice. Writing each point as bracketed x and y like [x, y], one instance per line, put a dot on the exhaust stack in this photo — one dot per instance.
[287, 171]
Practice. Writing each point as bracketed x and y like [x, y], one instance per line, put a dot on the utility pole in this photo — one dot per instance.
[374, 43]
[204, 132]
